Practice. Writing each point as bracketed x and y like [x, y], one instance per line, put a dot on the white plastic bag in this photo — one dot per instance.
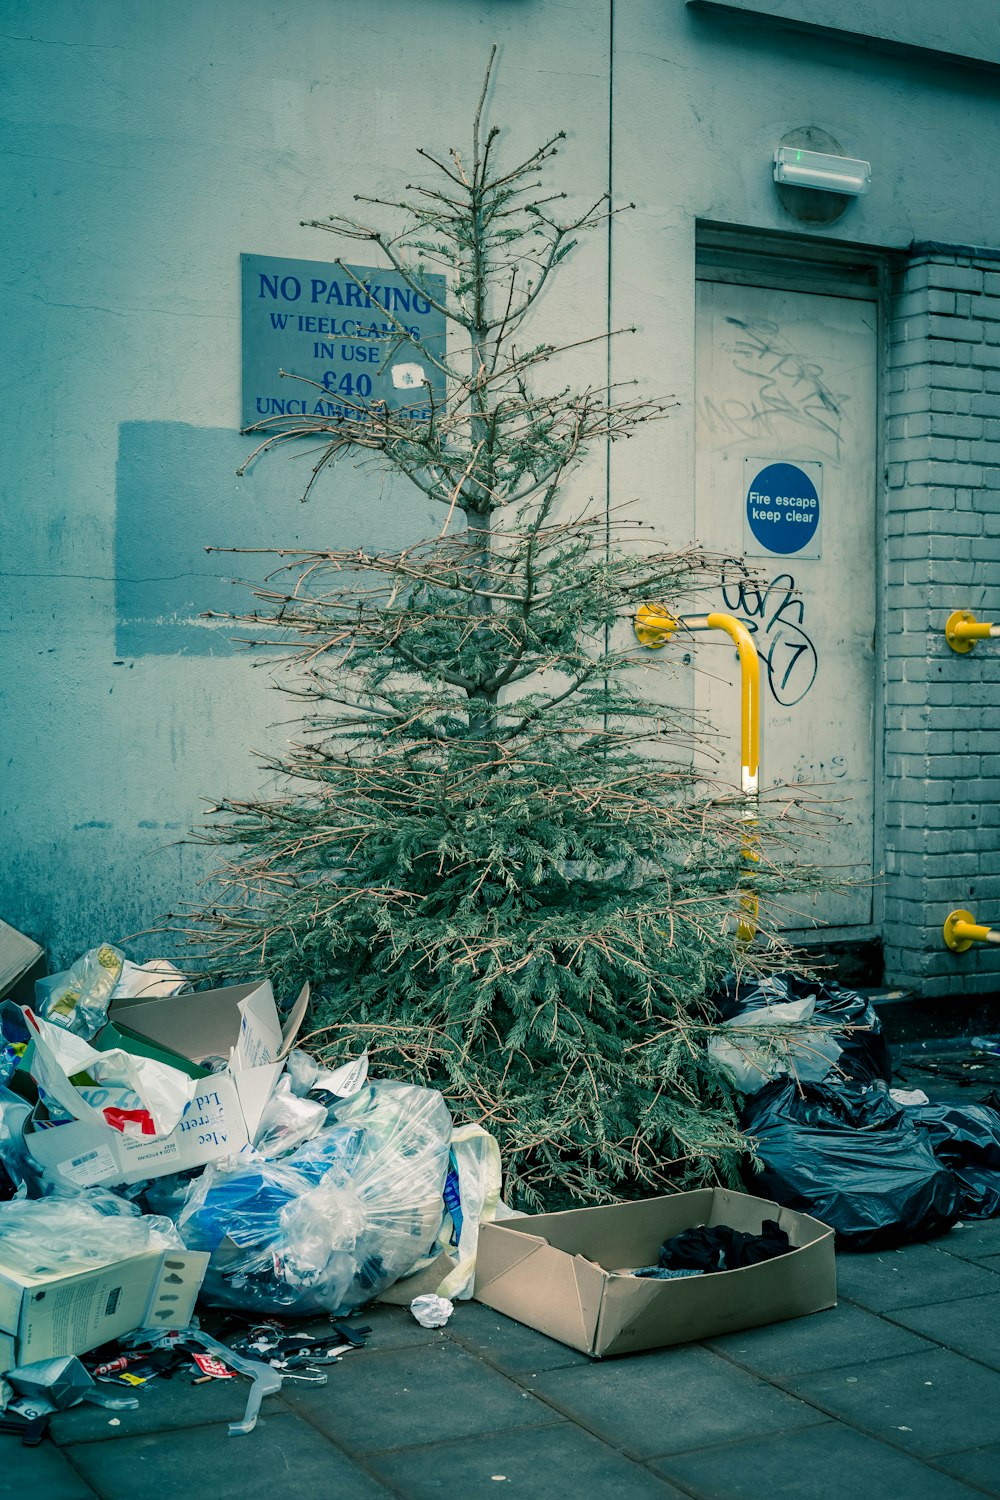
[151, 980]
[475, 1157]
[809, 1057]
[163, 1093]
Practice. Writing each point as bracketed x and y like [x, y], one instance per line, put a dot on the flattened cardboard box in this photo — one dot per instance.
[22, 961]
[561, 1273]
[239, 1022]
[45, 1317]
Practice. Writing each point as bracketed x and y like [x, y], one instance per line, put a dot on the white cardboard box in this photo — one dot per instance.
[240, 1022]
[45, 1317]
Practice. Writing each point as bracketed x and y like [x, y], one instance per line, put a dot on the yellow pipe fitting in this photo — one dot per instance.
[961, 930]
[962, 630]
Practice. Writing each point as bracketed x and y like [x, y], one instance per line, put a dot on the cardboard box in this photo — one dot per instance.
[560, 1273]
[239, 1022]
[22, 961]
[44, 1317]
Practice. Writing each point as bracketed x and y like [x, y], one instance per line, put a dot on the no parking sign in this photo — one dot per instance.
[782, 508]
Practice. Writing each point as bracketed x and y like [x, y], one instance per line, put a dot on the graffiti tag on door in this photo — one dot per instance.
[787, 387]
[774, 614]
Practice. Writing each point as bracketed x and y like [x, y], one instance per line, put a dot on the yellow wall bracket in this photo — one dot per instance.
[961, 930]
[962, 630]
[653, 626]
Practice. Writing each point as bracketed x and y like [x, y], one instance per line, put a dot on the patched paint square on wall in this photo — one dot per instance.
[178, 492]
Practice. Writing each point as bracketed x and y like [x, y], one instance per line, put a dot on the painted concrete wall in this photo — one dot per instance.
[144, 148]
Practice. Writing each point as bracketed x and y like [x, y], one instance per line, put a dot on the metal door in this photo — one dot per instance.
[785, 483]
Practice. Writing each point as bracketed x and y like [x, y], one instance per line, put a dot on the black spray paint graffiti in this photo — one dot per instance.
[789, 388]
[775, 617]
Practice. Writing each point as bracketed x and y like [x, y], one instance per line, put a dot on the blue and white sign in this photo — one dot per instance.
[782, 508]
[347, 332]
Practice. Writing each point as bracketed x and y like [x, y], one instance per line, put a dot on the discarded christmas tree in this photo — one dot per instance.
[481, 858]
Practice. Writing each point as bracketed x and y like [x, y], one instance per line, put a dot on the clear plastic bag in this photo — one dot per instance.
[69, 1232]
[335, 1222]
[307, 1076]
[287, 1121]
[78, 998]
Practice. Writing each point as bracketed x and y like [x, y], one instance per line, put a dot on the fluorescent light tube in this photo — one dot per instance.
[818, 169]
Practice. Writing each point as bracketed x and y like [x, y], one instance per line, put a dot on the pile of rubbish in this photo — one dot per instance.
[161, 1148]
[833, 1139]
[163, 1151]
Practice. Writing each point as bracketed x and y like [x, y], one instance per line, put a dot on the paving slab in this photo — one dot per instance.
[829, 1462]
[405, 1397]
[842, 1335]
[396, 1328]
[651, 1404]
[284, 1456]
[969, 1326]
[980, 1466]
[41, 1471]
[544, 1463]
[911, 1277]
[164, 1406]
[847, 1401]
[926, 1403]
[975, 1239]
[509, 1345]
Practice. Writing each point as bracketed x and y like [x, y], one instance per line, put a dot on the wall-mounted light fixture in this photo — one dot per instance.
[794, 167]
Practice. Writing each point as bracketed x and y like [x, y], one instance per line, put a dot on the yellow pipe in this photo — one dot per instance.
[962, 630]
[961, 930]
[653, 627]
[750, 696]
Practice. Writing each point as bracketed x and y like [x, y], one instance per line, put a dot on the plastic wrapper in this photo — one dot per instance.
[78, 998]
[335, 1222]
[965, 1138]
[15, 1166]
[288, 1121]
[862, 1054]
[64, 1232]
[852, 1158]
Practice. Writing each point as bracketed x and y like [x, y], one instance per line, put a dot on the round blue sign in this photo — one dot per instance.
[783, 508]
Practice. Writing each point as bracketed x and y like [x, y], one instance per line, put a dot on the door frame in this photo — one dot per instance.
[798, 263]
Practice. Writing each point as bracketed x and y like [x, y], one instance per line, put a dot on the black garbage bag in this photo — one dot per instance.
[965, 1138]
[864, 1056]
[851, 1157]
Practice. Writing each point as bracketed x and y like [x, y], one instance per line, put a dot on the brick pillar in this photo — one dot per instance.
[942, 747]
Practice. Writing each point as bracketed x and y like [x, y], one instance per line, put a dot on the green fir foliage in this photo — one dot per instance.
[490, 854]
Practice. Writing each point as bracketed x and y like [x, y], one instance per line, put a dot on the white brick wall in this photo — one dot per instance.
[942, 747]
